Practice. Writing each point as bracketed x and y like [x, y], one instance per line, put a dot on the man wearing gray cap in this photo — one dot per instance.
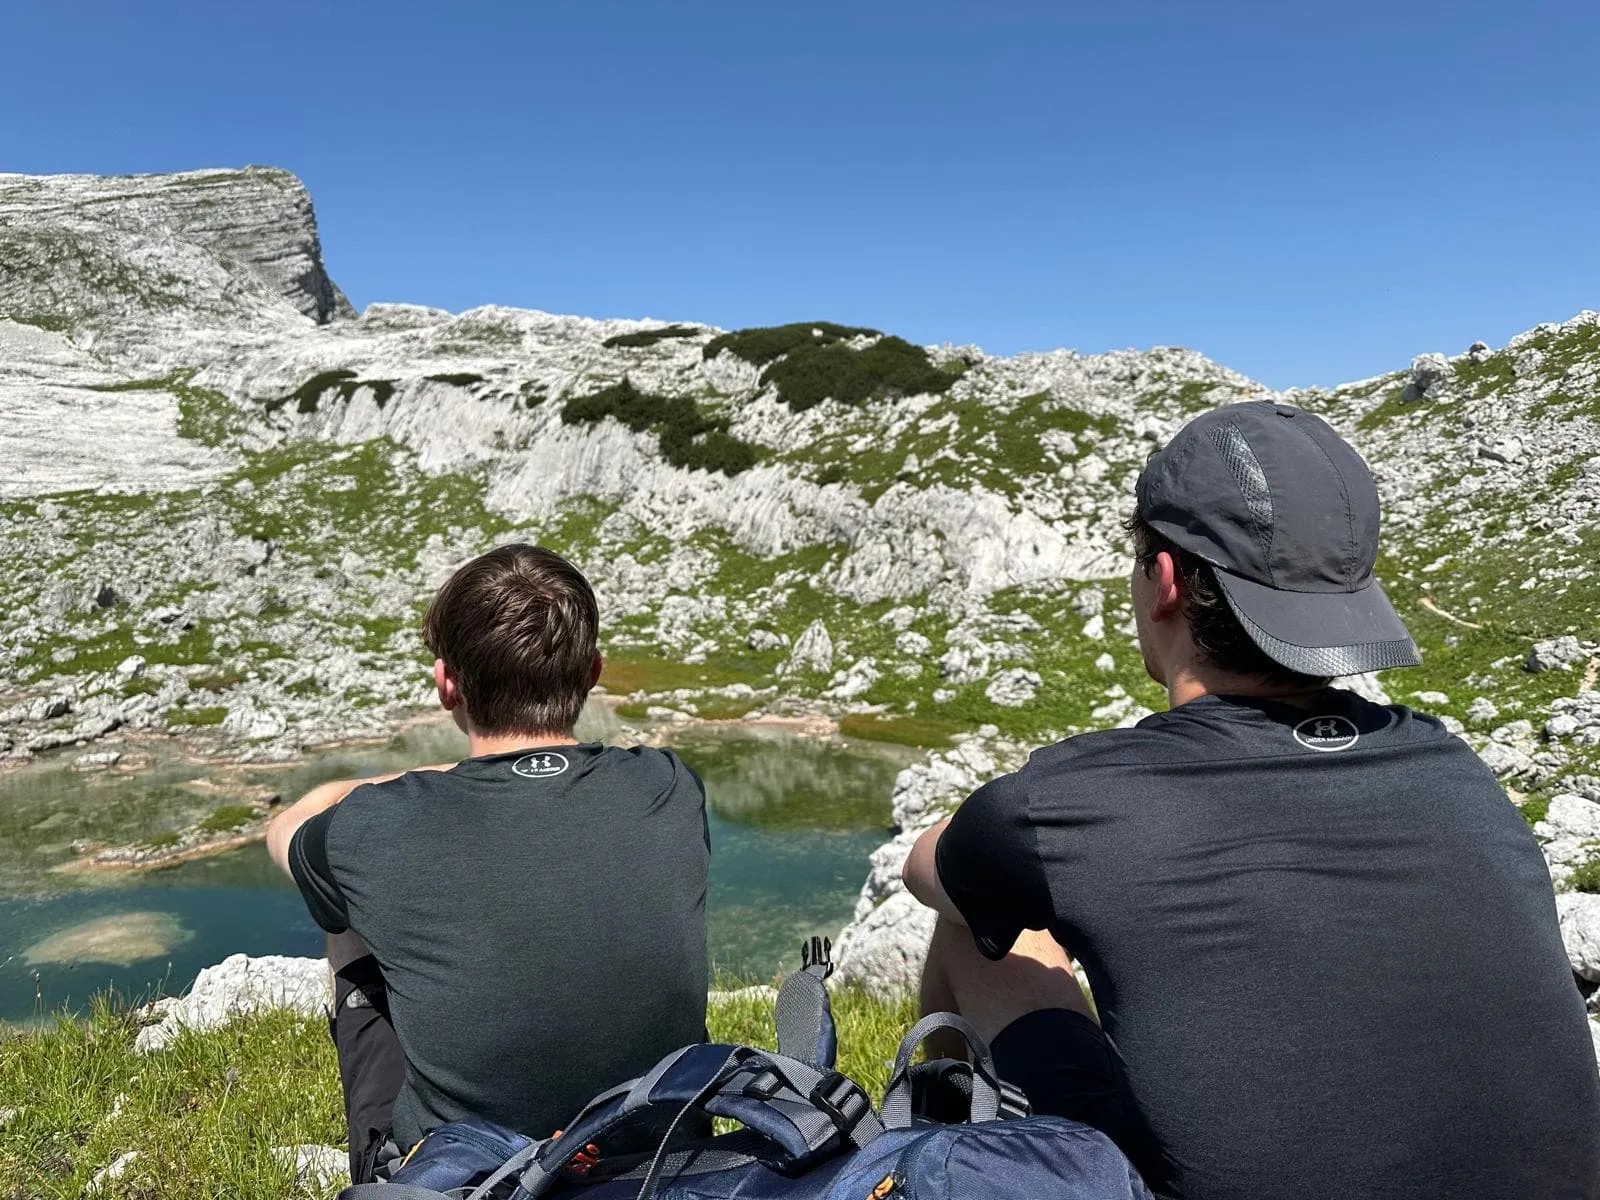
[1322, 943]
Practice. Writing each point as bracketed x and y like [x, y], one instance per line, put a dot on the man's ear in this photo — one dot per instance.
[595, 667]
[1167, 598]
[444, 681]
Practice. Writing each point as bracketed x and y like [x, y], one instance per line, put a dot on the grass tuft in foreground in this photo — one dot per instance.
[205, 1114]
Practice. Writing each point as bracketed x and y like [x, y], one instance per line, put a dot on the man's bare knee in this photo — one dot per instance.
[1037, 974]
[344, 949]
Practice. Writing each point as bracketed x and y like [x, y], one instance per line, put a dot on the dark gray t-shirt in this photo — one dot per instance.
[1324, 942]
[540, 918]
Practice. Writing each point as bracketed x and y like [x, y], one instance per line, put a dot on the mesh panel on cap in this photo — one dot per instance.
[1330, 660]
[1248, 473]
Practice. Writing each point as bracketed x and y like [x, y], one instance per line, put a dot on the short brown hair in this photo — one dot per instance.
[1218, 635]
[517, 628]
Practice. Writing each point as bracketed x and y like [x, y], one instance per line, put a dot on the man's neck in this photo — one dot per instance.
[481, 745]
[1192, 682]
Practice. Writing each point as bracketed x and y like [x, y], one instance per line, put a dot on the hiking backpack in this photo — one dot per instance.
[806, 1132]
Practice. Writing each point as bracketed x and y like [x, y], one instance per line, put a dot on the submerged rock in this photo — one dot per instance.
[122, 940]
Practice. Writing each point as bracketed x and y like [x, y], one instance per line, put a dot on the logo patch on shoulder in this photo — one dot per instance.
[1327, 734]
[541, 765]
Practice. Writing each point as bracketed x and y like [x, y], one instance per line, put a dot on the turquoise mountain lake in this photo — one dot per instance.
[793, 820]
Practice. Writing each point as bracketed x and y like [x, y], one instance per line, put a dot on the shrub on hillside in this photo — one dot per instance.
[649, 337]
[889, 367]
[759, 346]
[687, 437]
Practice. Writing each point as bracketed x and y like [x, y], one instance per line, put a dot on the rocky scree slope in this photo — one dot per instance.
[227, 497]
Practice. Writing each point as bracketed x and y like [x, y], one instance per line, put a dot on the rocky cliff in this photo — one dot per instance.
[226, 497]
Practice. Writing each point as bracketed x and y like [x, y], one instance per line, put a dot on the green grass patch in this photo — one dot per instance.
[930, 732]
[1586, 878]
[161, 841]
[218, 681]
[762, 344]
[205, 1113]
[215, 715]
[629, 672]
[228, 817]
[649, 337]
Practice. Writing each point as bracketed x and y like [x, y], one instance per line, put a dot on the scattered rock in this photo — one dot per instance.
[241, 985]
[766, 639]
[1013, 688]
[131, 667]
[1579, 913]
[110, 1174]
[1482, 710]
[1559, 652]
[1428, 374]
[316, 1168]
[97, 760]
[813, 651]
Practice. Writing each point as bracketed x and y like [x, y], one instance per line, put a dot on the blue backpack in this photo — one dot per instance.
[805, 1132]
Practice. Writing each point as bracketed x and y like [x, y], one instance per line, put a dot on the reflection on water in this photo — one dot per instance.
[792, 822]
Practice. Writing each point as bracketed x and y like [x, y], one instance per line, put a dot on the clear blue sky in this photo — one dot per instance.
[1306, 192]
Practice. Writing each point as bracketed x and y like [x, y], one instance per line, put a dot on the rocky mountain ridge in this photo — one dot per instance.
[228, 496]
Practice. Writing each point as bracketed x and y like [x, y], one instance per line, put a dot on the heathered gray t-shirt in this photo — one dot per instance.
[540, 918]
[1323, 940]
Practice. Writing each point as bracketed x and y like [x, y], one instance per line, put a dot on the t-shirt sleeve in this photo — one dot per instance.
[308, 863]
[988, 863]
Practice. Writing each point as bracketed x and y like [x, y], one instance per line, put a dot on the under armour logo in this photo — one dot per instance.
[540, 766]
[1327, 733]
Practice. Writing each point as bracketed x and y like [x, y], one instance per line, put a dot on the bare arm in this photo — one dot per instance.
[281, 829]
[921, 875]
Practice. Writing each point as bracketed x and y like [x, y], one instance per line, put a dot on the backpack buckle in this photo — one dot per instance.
[844, 1103]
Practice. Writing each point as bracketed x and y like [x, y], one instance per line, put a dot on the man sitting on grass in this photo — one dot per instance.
[1322, 943]
[514, 933]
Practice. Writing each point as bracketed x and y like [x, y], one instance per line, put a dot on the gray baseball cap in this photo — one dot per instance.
[1287, 513]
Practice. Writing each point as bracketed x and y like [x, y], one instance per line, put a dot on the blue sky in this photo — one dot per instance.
[1306, 192]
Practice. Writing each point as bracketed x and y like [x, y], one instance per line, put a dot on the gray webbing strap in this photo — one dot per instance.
[896, 1109]
[392, 1191]
[652, 1177]
[506, 1169]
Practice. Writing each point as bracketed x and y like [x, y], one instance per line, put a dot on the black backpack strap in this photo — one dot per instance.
[804, 1015]
[991, 1098]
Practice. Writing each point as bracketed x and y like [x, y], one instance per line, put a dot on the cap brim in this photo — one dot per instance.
[1322, 633]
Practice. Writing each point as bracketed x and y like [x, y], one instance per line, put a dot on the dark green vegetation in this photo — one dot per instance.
[889, 367]
[343, 384]
[228, 817]
[812, 361]
[687, 437]
[762, 344]
[205, 1113]
[649, 337]
[457, 379]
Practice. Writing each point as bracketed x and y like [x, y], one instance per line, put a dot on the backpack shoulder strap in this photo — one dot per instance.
[804, 1016]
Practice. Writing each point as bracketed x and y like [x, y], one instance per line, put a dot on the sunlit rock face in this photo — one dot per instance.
[122, 940]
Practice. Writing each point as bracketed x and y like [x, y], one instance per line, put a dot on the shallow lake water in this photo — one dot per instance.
[793, 820]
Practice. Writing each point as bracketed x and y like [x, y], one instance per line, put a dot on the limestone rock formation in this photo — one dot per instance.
[236, 986]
